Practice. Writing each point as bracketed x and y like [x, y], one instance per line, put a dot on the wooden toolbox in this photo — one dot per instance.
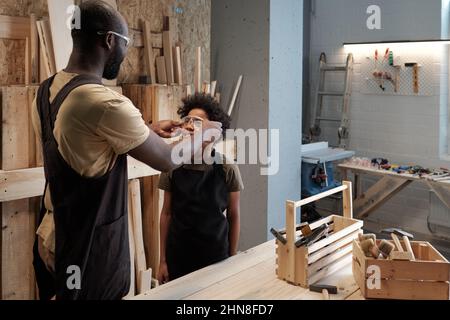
[306, 265]
[427, 278]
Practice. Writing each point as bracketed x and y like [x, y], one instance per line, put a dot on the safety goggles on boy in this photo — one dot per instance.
[197, 122]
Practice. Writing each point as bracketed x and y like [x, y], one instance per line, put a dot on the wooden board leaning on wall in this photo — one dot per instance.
[18, 151]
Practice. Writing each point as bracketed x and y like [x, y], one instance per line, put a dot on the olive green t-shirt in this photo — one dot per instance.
[233, 178]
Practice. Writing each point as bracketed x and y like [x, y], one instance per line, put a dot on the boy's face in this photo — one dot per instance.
[196, 116]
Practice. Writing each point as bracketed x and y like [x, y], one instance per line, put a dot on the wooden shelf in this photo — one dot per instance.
[30, 183]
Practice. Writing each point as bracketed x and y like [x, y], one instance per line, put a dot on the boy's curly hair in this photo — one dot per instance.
[208, 104]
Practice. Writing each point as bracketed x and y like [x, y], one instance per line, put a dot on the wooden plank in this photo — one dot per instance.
[339, 253]
[320, 196]
[46, 44]
[333, 247]
[60, 33]
[378, 194]
[206, 88]
[27, 61]
[138, 39]
[201, 279]
[44, 69]
[33, 150]
[14, 113]
[145, 281]
[358, 265]
[167, 44]
[14, 28]
[18, 221]
[290, 237]
[29, 183]
[49, 46]
[17, 277]
[347, 200]
[378, 172]
[198, 70]
[301, 267]
[235, 95]
[188, 90]
[34, 46]
[148, 51]
[331, 268]
[132, 291]
[151, 205]
[213, 88]
[413, 270]
[242, 286]
[432, 253]
[161, 68]
[178, 66]
[410, 290]
[140, 260]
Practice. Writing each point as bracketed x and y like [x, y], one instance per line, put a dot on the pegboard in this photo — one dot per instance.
[370, 85]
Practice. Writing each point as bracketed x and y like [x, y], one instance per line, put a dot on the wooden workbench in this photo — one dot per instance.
[390, 184]
[249, 276]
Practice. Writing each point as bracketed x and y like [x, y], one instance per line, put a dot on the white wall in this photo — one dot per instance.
[403, 129]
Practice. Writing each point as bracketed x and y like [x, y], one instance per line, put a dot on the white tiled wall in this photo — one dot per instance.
[403, 129]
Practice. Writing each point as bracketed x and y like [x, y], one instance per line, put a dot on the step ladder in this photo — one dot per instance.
[317, 115]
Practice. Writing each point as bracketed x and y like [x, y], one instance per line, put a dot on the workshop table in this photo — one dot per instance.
[249, 276]
[390, 184]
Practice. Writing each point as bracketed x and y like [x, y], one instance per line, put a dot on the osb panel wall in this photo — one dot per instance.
[12, 52]
[193, 23]
[12, 57]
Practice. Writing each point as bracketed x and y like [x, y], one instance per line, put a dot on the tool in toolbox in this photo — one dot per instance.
[314, 237]
[318, 114]
[280, 234]
[308, 236]
[395, 233]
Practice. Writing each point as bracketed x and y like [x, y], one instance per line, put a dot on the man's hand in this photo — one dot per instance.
[165, 128]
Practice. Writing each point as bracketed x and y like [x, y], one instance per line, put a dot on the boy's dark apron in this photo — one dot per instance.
[198, 232]
[90, 215]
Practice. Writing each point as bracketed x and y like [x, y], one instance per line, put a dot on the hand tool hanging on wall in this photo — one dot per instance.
[415, 67]
[377, 74]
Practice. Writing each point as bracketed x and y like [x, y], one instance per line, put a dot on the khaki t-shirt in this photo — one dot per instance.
[94, 125]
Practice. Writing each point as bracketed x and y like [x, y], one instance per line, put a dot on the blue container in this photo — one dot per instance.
[311, 187]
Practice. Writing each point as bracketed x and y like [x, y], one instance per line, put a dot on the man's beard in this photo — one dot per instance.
[112, 68]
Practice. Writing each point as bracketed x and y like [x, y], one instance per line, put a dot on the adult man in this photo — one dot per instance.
[87, 130]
